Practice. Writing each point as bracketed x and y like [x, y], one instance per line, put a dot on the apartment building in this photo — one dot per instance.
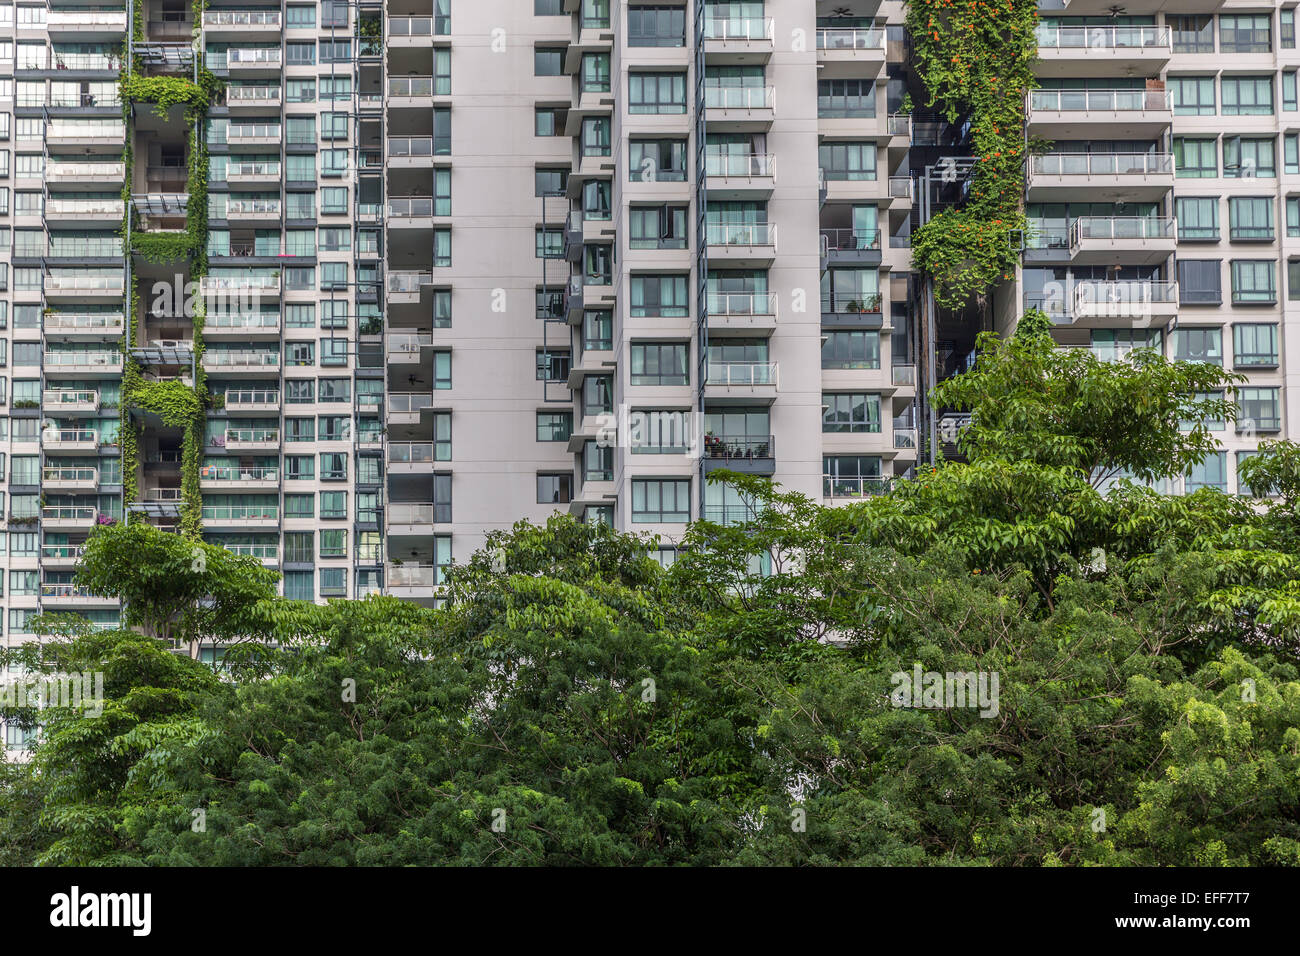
[461, 264]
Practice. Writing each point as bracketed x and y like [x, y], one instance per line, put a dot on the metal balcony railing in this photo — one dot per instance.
[745, 447]
[869, 302]
[845, 38]
[740, 97]
[70, 474]
[740, 233]
[242, 18]
[411, 207]
[408, 282]
[237, 473]
[850, 240]
[742, 303]
[409, 402]
[248, 436]
[410, 86]
[1102, 164]
[408, 146]
[410, 452]
[1098, 101]
[413, 575]
[739, 28]
[1121, 227]
[834, 486]
[741, 373]
[1104, 38]
[740, 165]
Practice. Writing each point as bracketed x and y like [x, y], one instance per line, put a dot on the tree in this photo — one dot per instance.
[173, 588]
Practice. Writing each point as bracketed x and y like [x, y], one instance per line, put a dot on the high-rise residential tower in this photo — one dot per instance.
[347, 285]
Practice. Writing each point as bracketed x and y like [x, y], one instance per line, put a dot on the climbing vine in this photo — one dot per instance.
[975, 58]
[178, 405]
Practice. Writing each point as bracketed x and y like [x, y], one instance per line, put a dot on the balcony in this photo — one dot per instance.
[69, 440]
[404, 348]
[740, 244]
[251, 439]
[859, 247]
[749, 454]
[252, 400]
[229, 325]
[412, 581]
[241, 287]
[907, 440]
[844, 49]
[61, 555]
[252, 97]
[253, 210]
[1141, 304]
[740, 382]
[70, 401]
[862, 310]
[241, 516]
[65, 285]
[69, 516]
[739, 39]
[86, 25]
[251, 362]
[71, 325]
[1097, 51]
[253, 134]
[415, 517]
[740, 176]
[740, 108]
[741, 313]
[63, 173]
[410, 457]
[411, 212]
[253, 173]
[416, 31]
[407, 152]
[1130, 177]
[237, 478]
[84, 210]
[245, 24]
[70, 595]
[98, 364]
[253, 60]
[903, 376]
[404, 408]
[70, 479]
[404, 287]
[410, 91]
[1133, 240]
[834, 486]
[1099, 114]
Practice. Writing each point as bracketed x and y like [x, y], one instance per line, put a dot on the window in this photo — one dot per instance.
[847, 161]
[1291, 153]
[656, 26]
[548, 8]
[657, 92]
[299, 506]
[333, 582]
[1245, 157]
[597, 395]
[442, 438]
[548, 242]
[442, 369]
[598, 330]
[1254, 346]
[1250, 218]
[1192, 95]
[333, 466]
[1247, 95]
[1289, 91]
[657, 160]
[595, 136]
[852, 98]
[595, 73]
[658, 227]
[1198, 345]
[1254, 282]
[548, 61]
[1258, 410]
[850, 412]
[1192, 34]
[1245, 33]
[597, 462]
[333, 504]
[554, 489]
[1198, 218]
[552, 366]
[855, 349]
[549, 121]
[596, 200]
[1293, 281]
[1286, 28]
[442, 247]
[661, 500]
[660, 363]
[554, 426]
[299, 467]
[1212, 472]
[549, 182]
[1195, 158]
[659, 295]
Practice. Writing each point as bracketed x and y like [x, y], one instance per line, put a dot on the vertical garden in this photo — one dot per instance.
[975, 59]
[177, 404]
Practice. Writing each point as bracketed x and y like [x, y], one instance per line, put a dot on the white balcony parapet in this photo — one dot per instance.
[83, 322]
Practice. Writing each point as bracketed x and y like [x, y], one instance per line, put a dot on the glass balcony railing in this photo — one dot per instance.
[741, 303]
[847, 38]
[1098, 101]
[79, 359]
[1121, 227]
[740, 97]
[409, 402]
[741, 373]
[77, 475]
[740, 165]
[252, 436]
[242, 18]
[410, 452]
[834, 486]
[249, 512]
[235, 398]
[1135, 37]
[739, 28]
[219, 359]
[238, 473]
[740, 233]
[1102, 164]
[850, 240]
